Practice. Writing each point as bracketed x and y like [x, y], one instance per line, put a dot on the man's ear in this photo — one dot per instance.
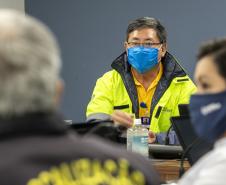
[125, 45]
[59, 91]
[163, 49]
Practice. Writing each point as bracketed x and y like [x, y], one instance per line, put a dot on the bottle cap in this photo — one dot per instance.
[137, 121]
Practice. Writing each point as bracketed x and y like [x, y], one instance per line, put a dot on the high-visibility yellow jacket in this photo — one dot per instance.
[116, 90]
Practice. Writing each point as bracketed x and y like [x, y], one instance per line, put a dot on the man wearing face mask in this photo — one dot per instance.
[208, 114]
[146, 81]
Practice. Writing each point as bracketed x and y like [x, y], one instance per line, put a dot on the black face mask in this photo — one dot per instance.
[208, 115]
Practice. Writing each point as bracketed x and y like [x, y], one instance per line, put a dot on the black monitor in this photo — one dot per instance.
[183, 109]
[189, 139]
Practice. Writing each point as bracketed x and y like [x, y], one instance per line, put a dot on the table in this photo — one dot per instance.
[169, 169]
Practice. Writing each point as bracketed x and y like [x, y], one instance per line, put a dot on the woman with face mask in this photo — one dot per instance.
[208, 114]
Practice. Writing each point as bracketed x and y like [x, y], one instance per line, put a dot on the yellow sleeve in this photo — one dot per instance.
[101, 103]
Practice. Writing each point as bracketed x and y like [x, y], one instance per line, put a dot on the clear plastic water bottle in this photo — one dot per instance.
[129, 138]
[137, 138]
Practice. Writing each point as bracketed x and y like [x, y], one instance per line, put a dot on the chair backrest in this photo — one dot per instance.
[102, 128]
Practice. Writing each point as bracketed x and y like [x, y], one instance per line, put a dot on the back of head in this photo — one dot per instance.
[29, 65]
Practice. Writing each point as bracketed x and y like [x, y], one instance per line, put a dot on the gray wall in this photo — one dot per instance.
[91, 34]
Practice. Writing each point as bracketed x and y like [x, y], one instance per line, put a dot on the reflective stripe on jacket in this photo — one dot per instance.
[116, 90]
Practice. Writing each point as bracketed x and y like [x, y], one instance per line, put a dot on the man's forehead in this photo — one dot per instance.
[145, 33]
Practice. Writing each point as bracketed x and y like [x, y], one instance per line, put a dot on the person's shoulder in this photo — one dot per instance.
[107, 150]
[111, 75]
[183, 80]
[219, 151]
[214, 157]
[210, 168]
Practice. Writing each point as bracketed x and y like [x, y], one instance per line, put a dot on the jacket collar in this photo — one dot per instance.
[171, 69]
[32, 124]
[121, 65]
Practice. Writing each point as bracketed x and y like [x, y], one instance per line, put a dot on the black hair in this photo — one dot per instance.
[217, 50]
[147, 22]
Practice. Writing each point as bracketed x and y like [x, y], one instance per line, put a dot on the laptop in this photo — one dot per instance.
[193, 146]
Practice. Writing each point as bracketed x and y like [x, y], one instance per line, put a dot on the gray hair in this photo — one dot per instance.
[29, 65]
[148, 22]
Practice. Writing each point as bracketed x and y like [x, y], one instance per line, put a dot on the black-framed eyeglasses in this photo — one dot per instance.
[145, 44]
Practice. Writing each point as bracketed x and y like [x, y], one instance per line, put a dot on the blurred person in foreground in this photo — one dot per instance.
[37, 148]
[208, 114]
[145, 80]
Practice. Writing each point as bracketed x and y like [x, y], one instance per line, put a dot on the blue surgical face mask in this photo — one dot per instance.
[208, 115]
[142, 59]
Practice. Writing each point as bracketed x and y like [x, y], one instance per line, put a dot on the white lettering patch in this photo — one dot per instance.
[210, 108]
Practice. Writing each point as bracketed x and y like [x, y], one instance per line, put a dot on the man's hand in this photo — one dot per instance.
[151, 137]
[126, 120]
[122, 118]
